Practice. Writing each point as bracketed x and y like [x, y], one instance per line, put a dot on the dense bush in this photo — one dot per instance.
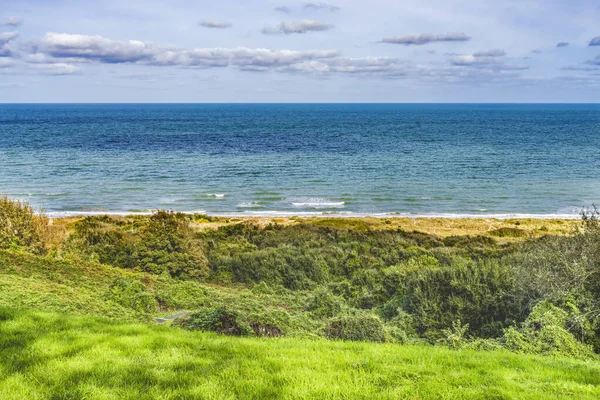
[20, 227]
[220, 320]
[323, 303]
[357, 327]
[477, 293]
[164, 244]
[103, 239]
[167, 246]
[545, 331]
[271, 323]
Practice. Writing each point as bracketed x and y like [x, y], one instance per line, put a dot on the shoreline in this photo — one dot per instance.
[320, 214]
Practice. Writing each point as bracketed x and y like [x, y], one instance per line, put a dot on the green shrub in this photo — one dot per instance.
[262, 288]
[393, 334]
[545, 332]
[272, 323]
[181, 295]
[455, 337]
[101, 239]
[323, 303]
[405, 322]
[219, 320]
[358, 327]
[477, 293]
[392, 308]
[20, 227]
[132, 294]
[168, 246]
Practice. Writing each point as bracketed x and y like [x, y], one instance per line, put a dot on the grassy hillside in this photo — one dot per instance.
[31, 282]
[53, 356]
[508, 313]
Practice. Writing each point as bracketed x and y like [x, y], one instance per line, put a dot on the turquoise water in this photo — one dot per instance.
[303, 159]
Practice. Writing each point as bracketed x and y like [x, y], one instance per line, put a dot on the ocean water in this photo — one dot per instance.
[303, 159]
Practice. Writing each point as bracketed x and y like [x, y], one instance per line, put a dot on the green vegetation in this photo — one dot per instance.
[20, 227]
[52, 356]
[281, 287]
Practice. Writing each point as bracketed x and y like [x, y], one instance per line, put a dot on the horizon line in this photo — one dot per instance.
[300, 102]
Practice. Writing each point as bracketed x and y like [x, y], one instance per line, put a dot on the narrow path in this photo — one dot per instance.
[170, 317]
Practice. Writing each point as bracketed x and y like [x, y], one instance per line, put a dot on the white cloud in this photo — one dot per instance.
[289, 28]
[57, 69]
[372, 66]
[321, 6]
[285, 10]
[490, 59]
[426, 38]
[5, 39]
[58, 54]
[490, 53]
[208, 23]
[83, 48]
[14, 21]
[69, 48]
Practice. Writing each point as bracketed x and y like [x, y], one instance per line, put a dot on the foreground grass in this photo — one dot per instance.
[53, 356]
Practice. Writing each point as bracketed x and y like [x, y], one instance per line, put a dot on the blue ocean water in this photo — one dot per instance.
[303, 159]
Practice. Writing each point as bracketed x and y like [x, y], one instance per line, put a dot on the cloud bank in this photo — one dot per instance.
[321, 6]
[299, 27]
[63, 54]
[73, 48]
[426, 38]
[595, 41]
[209, 23]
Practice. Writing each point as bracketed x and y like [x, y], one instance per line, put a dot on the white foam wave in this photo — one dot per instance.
[318, 203]
[215, 195]
[40, 194]
[249, 204]
[328, 214]
[65, 214]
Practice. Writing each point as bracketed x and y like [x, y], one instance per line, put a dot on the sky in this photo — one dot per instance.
[197, 51]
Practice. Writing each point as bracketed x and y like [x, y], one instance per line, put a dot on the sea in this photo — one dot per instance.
[383, 160]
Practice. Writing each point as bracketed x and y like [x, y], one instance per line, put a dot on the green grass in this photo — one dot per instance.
[80, 288]
[52, 356]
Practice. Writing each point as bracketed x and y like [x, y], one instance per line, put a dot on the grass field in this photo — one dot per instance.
[52, 356]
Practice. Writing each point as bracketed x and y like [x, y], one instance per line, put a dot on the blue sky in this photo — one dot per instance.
[287, 51]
